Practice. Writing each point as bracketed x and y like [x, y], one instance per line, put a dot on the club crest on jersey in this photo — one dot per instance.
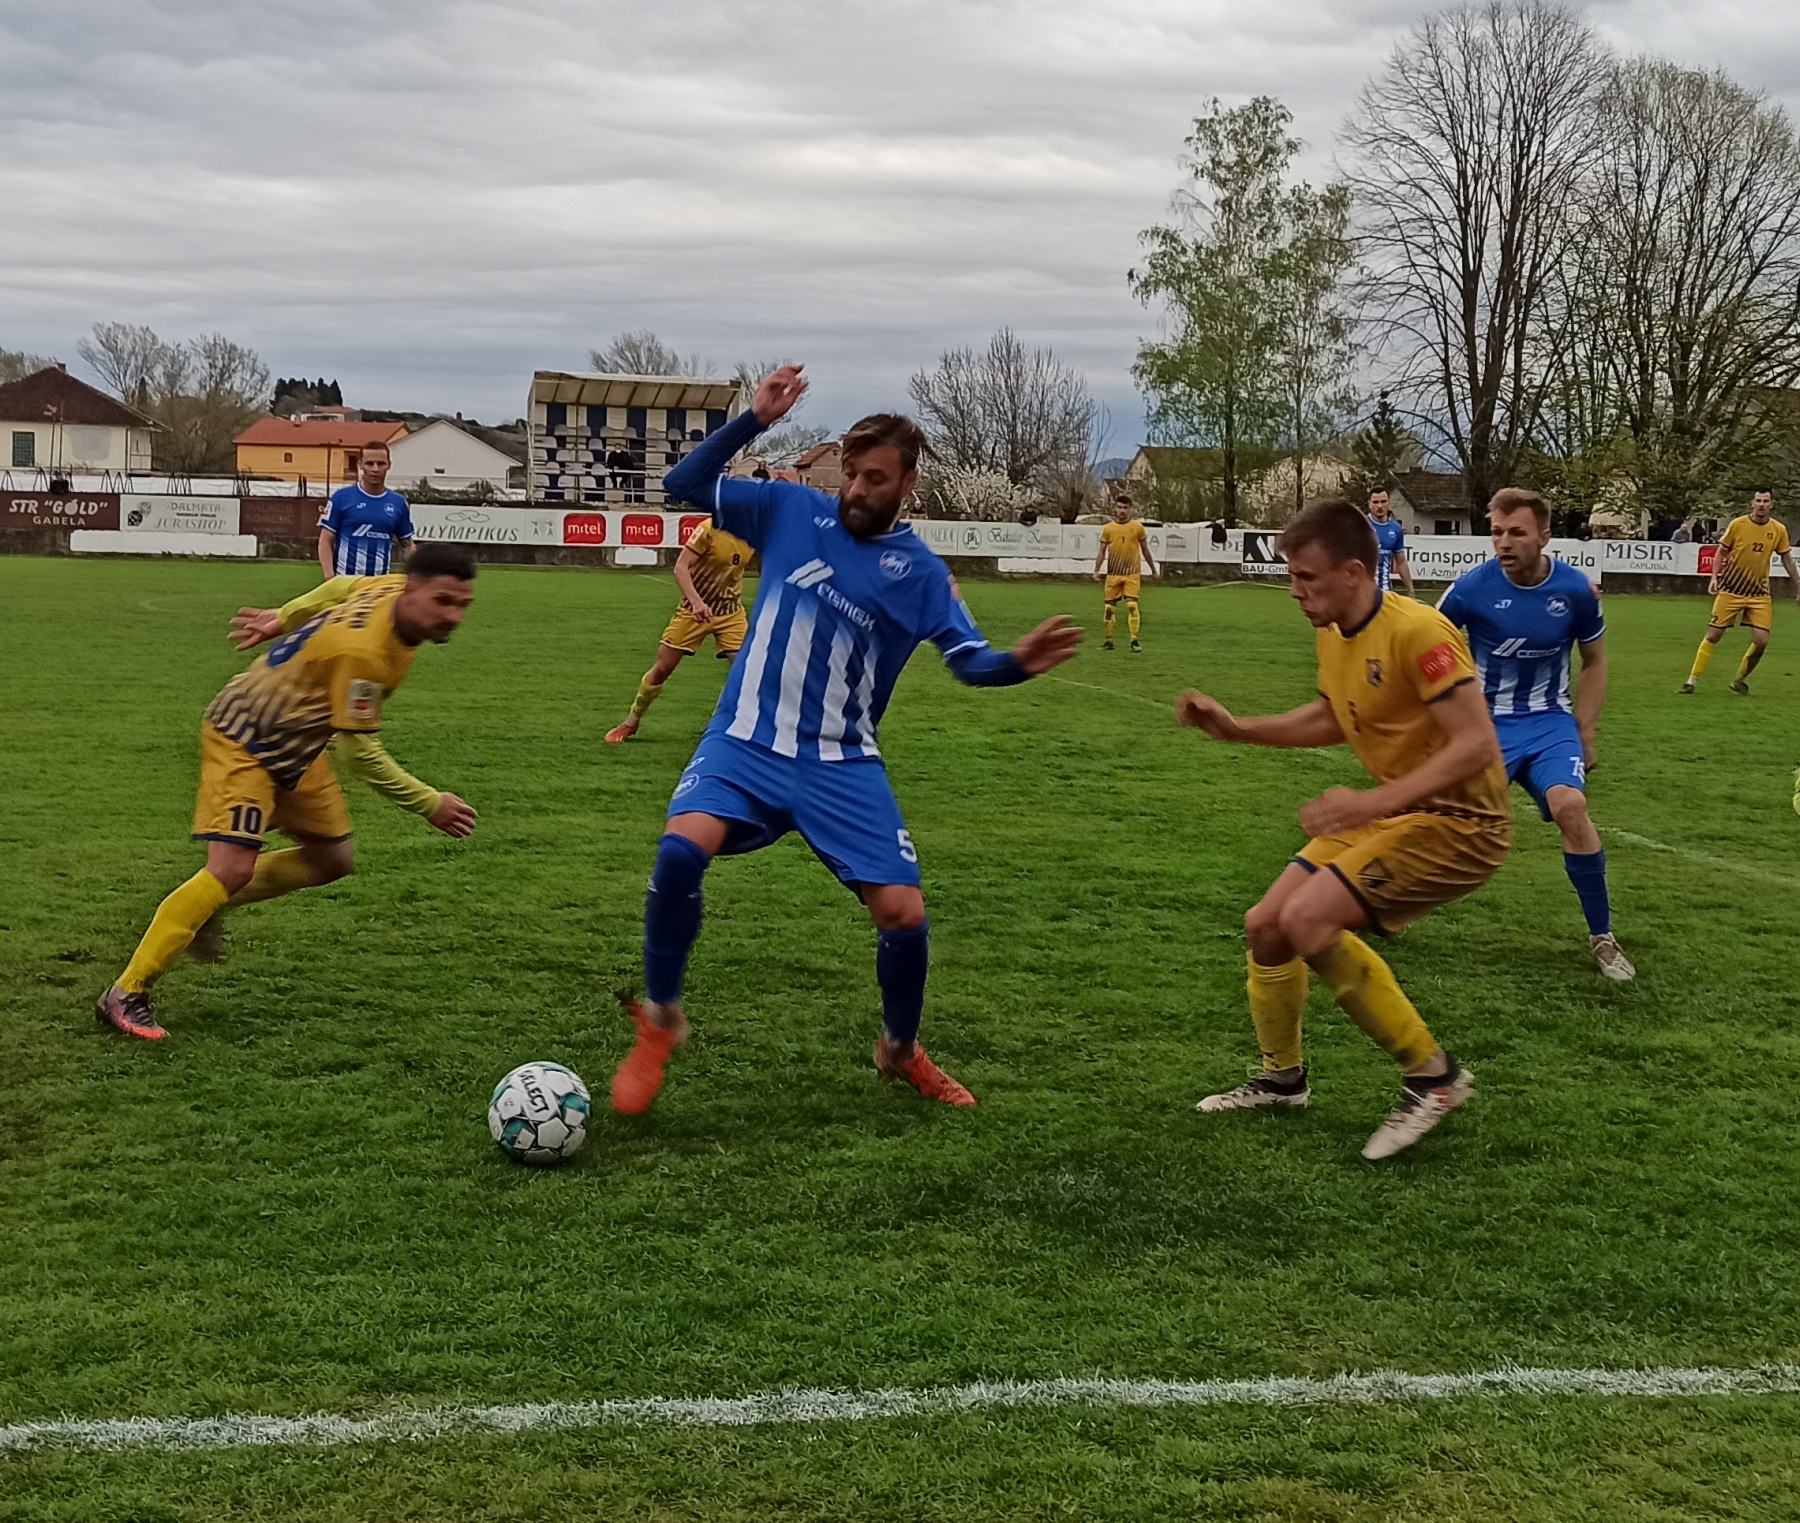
[1374, 671]
[1556, 607]
[895, 564]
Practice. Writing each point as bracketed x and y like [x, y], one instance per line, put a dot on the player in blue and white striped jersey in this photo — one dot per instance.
[846, 595]
[1526, 613]
[364, 521]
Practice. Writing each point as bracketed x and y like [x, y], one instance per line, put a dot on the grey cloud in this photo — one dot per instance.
[430, 200]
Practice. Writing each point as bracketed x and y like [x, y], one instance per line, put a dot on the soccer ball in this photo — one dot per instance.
[539, 1114]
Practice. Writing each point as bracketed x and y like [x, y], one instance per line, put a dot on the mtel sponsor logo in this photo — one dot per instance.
[1709, 559]
[584, 529]
[641, 529]
[690, 525]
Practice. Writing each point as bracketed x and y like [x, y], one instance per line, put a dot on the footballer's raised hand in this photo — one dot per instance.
[454, 817]
[1050, 644]
[1198, 712]
[251, 626]
[778, 391]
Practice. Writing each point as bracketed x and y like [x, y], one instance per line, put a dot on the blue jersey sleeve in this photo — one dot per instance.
[953, 630]
[1589, 622]
[403, 525]
[333, 516]
[1452, 607]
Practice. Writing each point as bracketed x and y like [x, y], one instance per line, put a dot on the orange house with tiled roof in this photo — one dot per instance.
[295, 449]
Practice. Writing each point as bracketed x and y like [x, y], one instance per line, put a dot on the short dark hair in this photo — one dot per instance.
[1339, 528]
[380, 444]
[881, 428]
[1517, 500]
[438, 557]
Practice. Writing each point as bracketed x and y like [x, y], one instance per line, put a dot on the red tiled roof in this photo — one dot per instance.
[816, 453]
[53, 393]
[285, 433]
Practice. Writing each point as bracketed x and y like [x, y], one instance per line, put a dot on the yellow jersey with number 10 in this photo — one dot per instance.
[1751, 547]
[330, 674]
[1123, 541]
[1381, 680]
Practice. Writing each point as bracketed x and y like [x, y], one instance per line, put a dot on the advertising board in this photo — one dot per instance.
[45, 510]
[178, 515]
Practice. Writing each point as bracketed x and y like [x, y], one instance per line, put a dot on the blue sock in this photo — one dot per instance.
[902, 959]
[671, 916]
[1588, 874]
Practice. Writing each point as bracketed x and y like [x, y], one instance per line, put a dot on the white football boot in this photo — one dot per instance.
[1258, 1094]
[1417, 1113]
[1611, 957]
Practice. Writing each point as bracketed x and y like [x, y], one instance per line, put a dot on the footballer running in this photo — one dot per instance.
[1526, 613]
[1124, 550]
[845, 597]
[1740, 587]
[346, 646]
[1396, 682]
[710, 573]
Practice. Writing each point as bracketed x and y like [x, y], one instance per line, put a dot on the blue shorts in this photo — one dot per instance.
[1543, 751]
[844, 810]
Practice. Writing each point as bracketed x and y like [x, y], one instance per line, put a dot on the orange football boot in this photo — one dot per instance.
[623, 730]
[923, 1074]
[640, 1076]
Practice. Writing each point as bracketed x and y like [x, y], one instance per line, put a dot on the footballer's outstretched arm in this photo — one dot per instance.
[1470, 747]
[1311, 725]
[363, 755]
[251, 626]
[692, 480]
[977, 664]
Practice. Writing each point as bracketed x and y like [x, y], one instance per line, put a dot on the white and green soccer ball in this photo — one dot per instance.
[539, 1114]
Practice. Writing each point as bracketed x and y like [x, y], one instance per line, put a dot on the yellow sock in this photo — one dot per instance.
[1277, 1006]
[177, 918]
[1366, 988]
[277, 873]
[648, 692]
[1748, 664]
[1131, 616]
[1701, 657]
[1111, 618]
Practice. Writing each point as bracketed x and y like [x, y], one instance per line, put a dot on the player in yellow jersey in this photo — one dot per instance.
[710, 573]
[1740, 587]
[348, 644]
[1124, 547]
[1397, 683]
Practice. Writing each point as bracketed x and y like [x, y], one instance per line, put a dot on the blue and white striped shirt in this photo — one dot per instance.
[1521, 637]
[836, 617]
[366, 528]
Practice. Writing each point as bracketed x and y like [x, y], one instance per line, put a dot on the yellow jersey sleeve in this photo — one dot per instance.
[700, 541]
[1782, 544]
[1433, 656]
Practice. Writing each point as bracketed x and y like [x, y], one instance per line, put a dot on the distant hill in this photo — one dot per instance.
[1115, 465]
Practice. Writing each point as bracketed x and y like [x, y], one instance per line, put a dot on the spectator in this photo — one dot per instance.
[1219, 536]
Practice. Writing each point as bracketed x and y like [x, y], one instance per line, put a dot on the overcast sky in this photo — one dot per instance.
[430, 200]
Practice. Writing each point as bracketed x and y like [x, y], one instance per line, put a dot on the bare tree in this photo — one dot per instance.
[1464, 155]
[643, 353]
[1680, 304]
[125, 356]
[1008, 410]
[15, 364]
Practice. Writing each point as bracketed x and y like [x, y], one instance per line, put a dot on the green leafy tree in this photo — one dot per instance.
[1247, 276]
[1379, 450]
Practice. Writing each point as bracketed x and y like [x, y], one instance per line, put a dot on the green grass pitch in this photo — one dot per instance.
[293, 1205]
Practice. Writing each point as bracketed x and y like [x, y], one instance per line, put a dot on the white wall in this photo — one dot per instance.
[78, 446]
[442, 454]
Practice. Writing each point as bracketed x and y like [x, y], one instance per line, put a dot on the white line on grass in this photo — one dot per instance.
[251, 1430]
[1700, 856]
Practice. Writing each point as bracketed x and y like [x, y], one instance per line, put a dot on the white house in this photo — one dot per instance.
[49, 421]
[442, 455]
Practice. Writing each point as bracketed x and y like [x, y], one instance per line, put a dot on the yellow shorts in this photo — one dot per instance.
[1728, 608]
[1123, 586]
[239, 801]
[1402, 868]
[685, 632]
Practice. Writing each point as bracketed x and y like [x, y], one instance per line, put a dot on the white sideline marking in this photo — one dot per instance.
[1700, 856]
[252, 1430]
